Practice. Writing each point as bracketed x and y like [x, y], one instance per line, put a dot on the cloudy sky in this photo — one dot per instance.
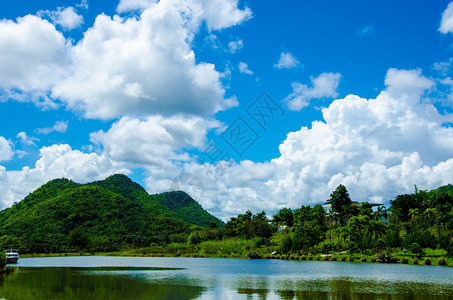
[244, 104]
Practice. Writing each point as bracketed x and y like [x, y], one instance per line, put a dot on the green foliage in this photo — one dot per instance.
[78, 238]
[427, 261]
[194, 238]
[284, 217]
[249, 226]
[186, 208]
[386, 256]
[2, 260]
[42, 222]
[253, 255]
[417, 250]
[338, 199]
[442, 261]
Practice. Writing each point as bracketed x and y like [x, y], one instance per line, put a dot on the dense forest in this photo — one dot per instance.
[117, 214]
[104, 215]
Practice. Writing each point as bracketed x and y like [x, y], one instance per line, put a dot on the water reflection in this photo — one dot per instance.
[184, 278]
[70, 283]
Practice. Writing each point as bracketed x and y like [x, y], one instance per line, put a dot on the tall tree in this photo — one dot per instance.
[338, 199]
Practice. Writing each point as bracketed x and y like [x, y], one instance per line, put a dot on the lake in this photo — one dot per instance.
[107, 277]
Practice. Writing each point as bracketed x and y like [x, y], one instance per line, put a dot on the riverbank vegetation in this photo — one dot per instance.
[117, 217]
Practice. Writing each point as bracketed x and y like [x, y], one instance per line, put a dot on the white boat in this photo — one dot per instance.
[12, 256]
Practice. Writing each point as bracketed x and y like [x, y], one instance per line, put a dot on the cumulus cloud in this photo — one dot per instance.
[26, 140]
[244, 68]
[131, 5]
[446, 23]
[154, 69]
[6, 151]
[66, 17]
[60, 126]
[32, 55]
[55, 162]
[154, 141]
[409, 83]
[323, 86]
[132, 65]
[378, 148]
[287, 61]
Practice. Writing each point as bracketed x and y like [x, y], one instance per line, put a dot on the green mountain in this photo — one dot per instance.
[104, 215]
[186, 208]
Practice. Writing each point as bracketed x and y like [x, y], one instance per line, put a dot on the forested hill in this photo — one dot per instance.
[110, 214]
[187, 208]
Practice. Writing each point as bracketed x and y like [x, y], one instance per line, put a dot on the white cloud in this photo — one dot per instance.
[60, 126]
[154, 71]
[378, 148]
[66, 17]
[6, 151]
[235, 46]
[32, 55]
[244, 68]
[443, 67]
[287, 61]
[131, 5]
[83, 4]
[133, 65]
[26, 140]
[446, 23]
[409, 83]
[55, 162]
[153, 141]
[323, 86]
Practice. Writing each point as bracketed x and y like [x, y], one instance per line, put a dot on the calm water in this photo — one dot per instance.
[97, 277]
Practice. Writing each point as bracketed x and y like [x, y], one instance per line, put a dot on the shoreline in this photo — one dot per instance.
[433, 260]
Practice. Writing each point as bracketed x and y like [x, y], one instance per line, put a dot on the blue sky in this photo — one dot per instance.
[361, 92]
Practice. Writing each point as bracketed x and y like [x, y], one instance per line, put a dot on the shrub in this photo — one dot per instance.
[2, 260]
[317, 257]
[351, 258]
[417, 250]
[194, 238]
[404, 260]
[442, 261]
[253, 255]
[343, 258]
[327, 258]
[333, 258]
[364, 259]
[427, 261]
[310, 257]
[386, 257]
[415, 261]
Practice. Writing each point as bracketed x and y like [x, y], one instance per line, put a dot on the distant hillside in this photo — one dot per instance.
[445, 188]
[111, 214]
[186, 208]
[124, 186]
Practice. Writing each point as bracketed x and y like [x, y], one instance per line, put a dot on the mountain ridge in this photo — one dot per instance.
[112, 213]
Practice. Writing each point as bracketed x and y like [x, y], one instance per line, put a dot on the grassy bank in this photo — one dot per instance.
[242, 248]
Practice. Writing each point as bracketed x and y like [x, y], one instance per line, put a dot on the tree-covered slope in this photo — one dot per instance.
[111, 213]
[124, 186]
[103, 216]
[186, 208]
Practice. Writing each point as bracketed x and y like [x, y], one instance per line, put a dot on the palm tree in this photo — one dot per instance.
[413, 213]
[378, 228]
[380, 212]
